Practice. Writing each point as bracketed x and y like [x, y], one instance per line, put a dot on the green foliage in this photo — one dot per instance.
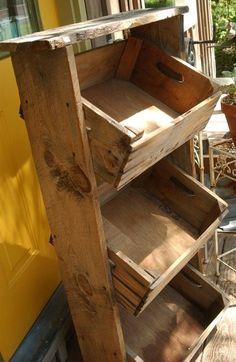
[230, 90]
[224, 12]
[158, 3]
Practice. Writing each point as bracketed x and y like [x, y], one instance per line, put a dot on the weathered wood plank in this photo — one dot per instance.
[109, 142]
[151, 230]
[159, 334]
[221, 346]
[167, 34]
[70, 34]
[194, 286]
[144, 152]
[128, 59]
[170, 80]
[98, 65]
[52, 107]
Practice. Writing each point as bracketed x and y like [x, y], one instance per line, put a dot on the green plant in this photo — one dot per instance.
[158, 3]
[224, 13]
[230, 92]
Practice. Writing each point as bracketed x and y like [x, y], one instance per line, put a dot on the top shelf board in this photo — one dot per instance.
[74, 33]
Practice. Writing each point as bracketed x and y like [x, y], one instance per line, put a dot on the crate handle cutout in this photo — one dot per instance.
[192, 282]
[182, 187]
[170, 73]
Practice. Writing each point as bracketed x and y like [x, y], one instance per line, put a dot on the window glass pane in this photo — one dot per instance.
[17, 18]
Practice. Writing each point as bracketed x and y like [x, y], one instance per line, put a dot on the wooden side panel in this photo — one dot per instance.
[167, 34]
[178, 190]
[170, 80]
[98, 65]
[128, 59]
[155, 147]
[52, 107]
[192, 285]
[131, 282]
[109, 142]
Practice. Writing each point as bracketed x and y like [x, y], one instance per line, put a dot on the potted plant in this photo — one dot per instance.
[228, 105]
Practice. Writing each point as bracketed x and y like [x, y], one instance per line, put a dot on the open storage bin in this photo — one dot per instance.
[140, 104]
[153, 228]
[176, 324]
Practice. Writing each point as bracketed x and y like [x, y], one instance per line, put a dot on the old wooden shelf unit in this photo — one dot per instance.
[126, 107]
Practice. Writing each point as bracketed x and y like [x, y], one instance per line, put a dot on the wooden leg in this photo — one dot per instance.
[51, 102]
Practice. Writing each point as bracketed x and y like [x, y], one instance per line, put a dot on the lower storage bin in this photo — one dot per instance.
[175, 325]
[153, 228]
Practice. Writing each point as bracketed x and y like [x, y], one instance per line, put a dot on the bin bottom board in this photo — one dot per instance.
[166, 329]
[146, 231]
[123, 101]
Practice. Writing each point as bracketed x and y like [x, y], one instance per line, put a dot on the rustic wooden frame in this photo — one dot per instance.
[46, 73]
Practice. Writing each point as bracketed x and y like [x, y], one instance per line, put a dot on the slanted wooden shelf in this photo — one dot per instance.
[141, 104]
[153, 228]
[138, 104]
[175, 325]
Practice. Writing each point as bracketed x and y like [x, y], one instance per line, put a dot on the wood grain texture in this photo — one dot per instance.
[169, 329]
[161, 142]
[158, 127]
[70, 34]
[98, 65]
[172, 81]
[109, 142]
[221, 345]
[52, 107]
[128, 59]
[152, 233]
[167, 105]
[167, 34]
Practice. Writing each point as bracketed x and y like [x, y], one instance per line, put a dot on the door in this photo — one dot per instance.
[28, 265]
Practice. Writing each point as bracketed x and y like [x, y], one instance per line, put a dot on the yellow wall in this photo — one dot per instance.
[49, 15]
[28, 265]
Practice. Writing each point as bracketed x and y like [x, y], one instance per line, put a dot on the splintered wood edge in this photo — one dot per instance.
[74, 33]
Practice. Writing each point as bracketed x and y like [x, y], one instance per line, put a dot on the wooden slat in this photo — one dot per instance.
[136, 4]
[167, 34]
[178, 189]
[113, 7]
[56, 128]
[98, 65]
[128, 59]
[114, 238]
[70, 34]
[171, 81]
[109, 141]
[125, 265]
[95, 9]
[205, 29]
[194, 286]
[166, 330]
[161, 251]
[124, 5]
[221, 345]
[159, 334]
[144, 153]
[126, 292]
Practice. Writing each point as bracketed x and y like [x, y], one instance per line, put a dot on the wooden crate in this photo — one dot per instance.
[153, 228]
[140, 104]
[176, 324]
